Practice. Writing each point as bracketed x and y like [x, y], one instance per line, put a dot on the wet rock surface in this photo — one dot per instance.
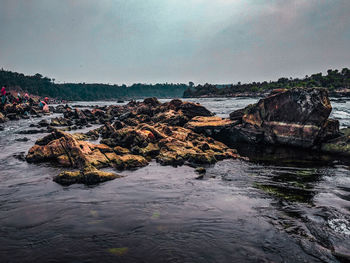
[140, 132]
[295, 117]
[177, 133]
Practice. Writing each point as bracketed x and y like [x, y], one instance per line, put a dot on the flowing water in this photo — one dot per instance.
[283, 206]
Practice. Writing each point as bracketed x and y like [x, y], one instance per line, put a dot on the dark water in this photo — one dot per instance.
[284, 206]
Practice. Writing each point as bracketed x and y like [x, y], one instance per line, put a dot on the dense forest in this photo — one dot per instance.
[333, 81]
[44, 86]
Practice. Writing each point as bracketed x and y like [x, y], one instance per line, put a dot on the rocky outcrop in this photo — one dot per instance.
[143, 131]
[295, 117]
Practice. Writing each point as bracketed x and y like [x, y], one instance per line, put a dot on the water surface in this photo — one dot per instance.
[284, 206]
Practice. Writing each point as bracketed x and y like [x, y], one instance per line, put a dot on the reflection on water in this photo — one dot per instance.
[283, 206]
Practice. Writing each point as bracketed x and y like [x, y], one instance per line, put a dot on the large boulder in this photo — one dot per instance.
[191, 110]
[296, 117]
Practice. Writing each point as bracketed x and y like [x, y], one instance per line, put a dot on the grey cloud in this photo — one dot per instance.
[173, 41]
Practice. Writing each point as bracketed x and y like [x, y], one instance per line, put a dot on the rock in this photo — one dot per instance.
[2, 118]
[24, 139]
[61, 122]
[340, 146]
[88, 176]
[79, 153]
[191, 110]
[12, 116]
[120, 150]
[59, 109]
[130, 161]
[20, 156]
[183, 145]
[200, 170]
[237, 115]
[151, 101]
[43, 123]
[92, 135]
[295, 117]
[215, 127]
[171, 117]
[34, 131]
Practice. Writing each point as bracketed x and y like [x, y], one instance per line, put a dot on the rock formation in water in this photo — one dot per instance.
[295, 117]
[141, 132]
[177, 133]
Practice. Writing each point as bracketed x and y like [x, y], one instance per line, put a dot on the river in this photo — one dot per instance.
[283, 206]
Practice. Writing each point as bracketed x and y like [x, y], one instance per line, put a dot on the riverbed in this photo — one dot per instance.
[283, 206]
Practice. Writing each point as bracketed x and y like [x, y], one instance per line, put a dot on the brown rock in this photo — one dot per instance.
[88, 176]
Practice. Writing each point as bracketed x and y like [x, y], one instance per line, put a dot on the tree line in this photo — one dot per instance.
[334, 80]
[44, 86]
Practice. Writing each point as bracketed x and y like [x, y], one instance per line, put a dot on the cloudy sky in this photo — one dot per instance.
[149, 41]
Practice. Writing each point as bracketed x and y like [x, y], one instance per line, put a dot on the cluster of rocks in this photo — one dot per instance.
[177, 133]
[297, 117]
[134, 135]
[19, 111]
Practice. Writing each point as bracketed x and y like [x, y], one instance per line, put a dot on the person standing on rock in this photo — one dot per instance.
[3, 95]
[26, 98]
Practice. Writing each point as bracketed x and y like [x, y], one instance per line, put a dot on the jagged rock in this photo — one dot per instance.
[92, 135]
[296, 117]
[191, 110]
[61, 122]
[152, 102]
[79, 153]
[171, 117]
[60, 109]
[120, 150]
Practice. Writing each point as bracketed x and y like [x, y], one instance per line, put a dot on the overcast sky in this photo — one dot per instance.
[150, 41]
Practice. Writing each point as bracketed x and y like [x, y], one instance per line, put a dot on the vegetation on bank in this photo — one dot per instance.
[44, 86]
[334, 80]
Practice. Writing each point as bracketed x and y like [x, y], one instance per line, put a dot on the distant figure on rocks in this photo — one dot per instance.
[19, 98]
[46, 100]
[26, 98]
[3, 95]
[43, 105]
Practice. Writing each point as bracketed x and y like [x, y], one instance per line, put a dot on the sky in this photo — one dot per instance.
[158, 41]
